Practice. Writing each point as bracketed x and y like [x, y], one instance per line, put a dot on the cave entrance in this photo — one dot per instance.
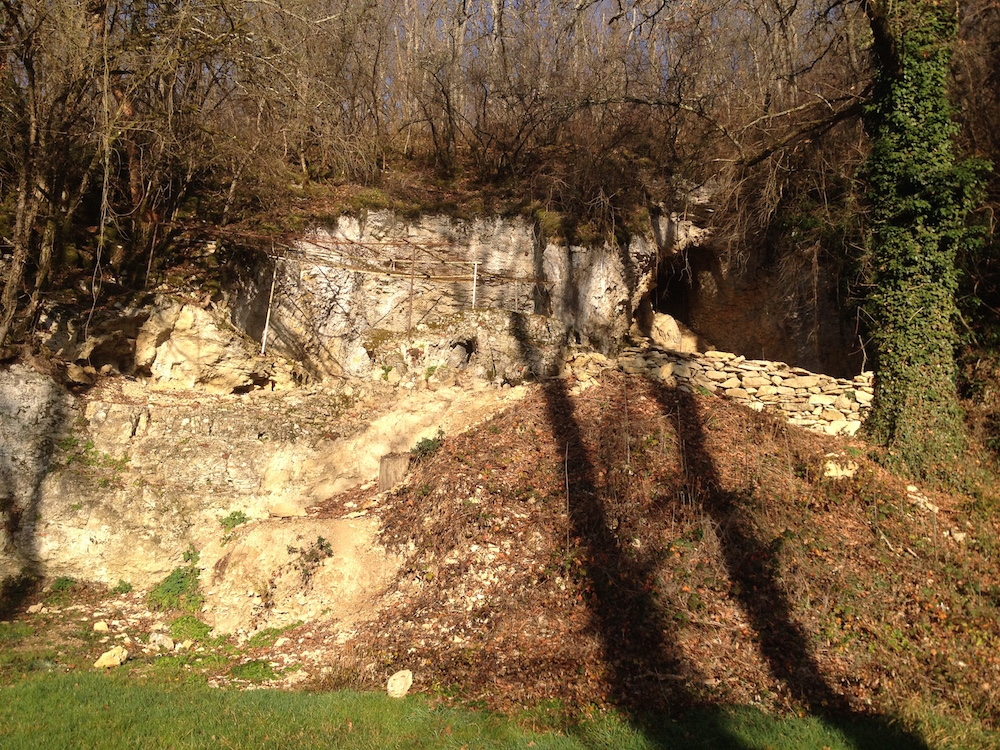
[676, 288]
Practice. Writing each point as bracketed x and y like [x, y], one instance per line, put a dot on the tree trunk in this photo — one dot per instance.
[919, 199]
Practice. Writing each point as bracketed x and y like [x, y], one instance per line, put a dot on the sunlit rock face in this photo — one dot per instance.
[339, 292]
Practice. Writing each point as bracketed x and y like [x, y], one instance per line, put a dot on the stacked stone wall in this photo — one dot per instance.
[834, 406]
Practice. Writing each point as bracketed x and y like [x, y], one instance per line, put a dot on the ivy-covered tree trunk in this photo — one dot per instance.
[919, 197]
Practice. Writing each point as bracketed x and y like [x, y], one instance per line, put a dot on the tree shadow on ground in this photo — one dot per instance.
[753, 565]
[648, 674]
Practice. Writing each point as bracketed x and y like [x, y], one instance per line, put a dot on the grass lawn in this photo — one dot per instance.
[91, 710]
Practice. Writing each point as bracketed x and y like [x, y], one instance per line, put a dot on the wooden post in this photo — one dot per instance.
[475, 281]
[270, 300]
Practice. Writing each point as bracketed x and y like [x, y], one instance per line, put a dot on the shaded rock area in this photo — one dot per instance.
[177, 345]
[789, 308]
[34, 411]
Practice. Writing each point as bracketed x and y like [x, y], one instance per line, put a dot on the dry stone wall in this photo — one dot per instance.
[834, 406]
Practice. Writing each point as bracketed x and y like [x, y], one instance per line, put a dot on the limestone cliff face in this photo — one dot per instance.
[337, 290]
[34, 412]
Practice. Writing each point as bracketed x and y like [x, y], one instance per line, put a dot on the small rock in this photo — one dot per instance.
[80, 375]
[286, 509]
[837, 470]
[399, 684]
[161, 640]
[100, 627]
[282, 641]
[113, 657]
[822, 400]
[853, 425]
[34, 609]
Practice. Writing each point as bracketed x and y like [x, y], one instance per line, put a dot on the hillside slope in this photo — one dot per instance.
[652, 548]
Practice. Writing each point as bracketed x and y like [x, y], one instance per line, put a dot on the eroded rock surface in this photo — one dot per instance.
[275, 573]
[125, 480]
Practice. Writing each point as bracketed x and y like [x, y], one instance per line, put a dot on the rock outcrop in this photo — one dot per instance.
[121, 481]
[185, 347]
[337, 288]
[34, 413]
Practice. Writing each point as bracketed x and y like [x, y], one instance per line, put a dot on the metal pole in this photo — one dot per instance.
[475, 281]
[270, 300]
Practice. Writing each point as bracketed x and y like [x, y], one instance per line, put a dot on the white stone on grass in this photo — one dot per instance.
[113, 657]
[399, 684]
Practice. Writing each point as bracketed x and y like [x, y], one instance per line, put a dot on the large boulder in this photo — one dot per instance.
[195, 352]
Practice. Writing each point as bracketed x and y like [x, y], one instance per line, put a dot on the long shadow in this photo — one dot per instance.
[32, 416]
[753, 566]
[647, 671]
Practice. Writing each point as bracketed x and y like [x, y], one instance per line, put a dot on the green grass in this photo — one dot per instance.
[90, 710]
[265, 638]
[253, 671]
[12, 632]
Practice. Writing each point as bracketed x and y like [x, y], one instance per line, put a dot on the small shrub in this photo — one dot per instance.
[189, 627]
[234, 519]
[61, 590]
[68, 443]
[62, 584]
[428, 446]
[123, 587]
[311, 557]
[179, 590]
